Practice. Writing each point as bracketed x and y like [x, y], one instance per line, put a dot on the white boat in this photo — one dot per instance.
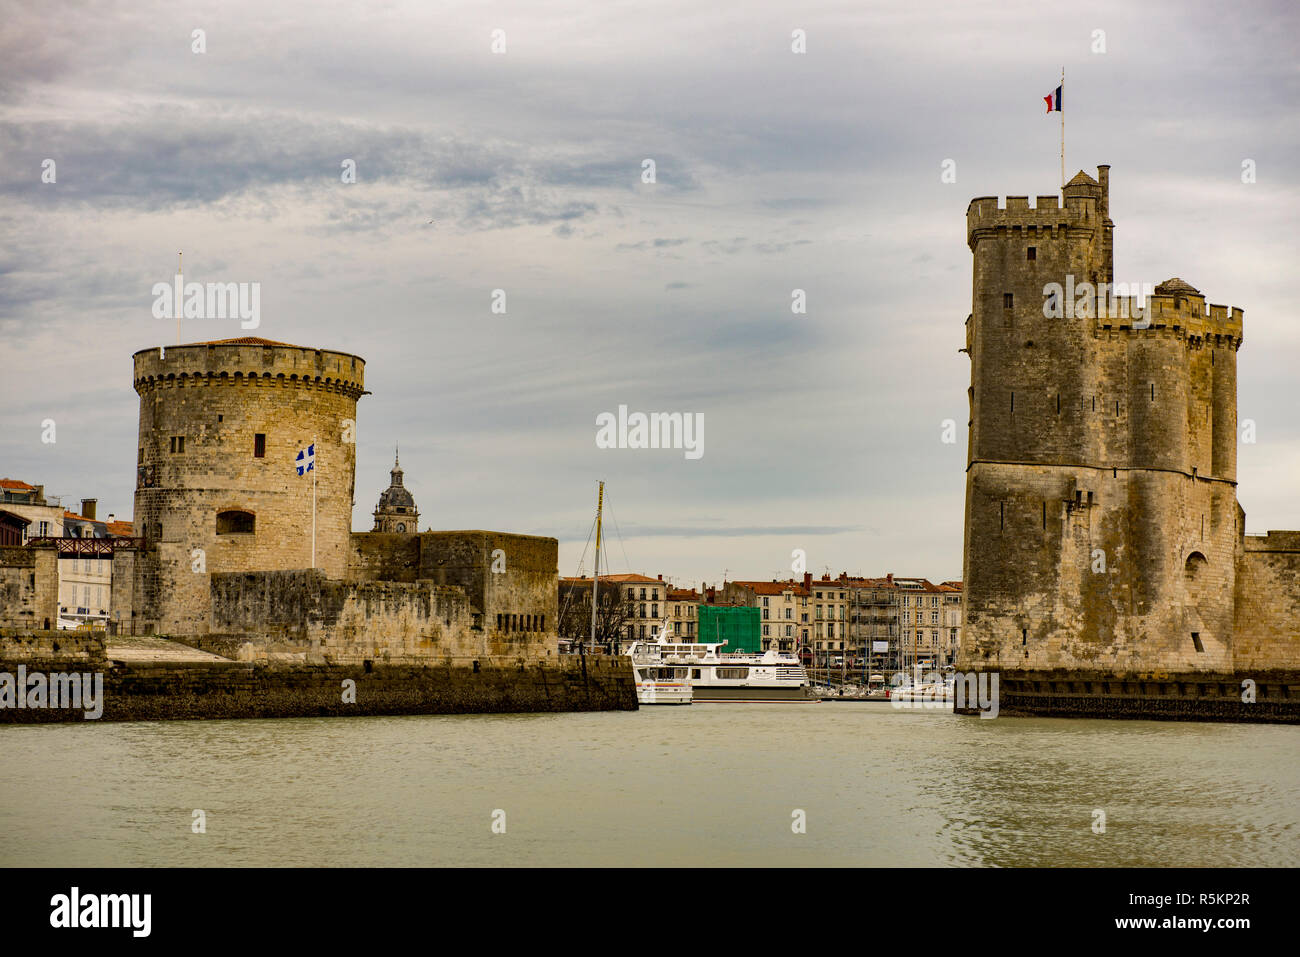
[658, 681]
[715, 676]
[937, 692]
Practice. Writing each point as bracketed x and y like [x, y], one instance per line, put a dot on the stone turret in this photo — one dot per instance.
[1101, 511]
[218, 486]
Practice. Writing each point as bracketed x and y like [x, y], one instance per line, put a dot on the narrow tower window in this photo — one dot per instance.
[1153, 391]
[1044, 516]
[1002, 515]
[1006, 300]
[259, 445]
[1058, 403]
[1032, 253]
[1196, 641]
[1013, 402]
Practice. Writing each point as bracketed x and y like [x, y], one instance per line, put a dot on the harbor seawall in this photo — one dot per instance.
[234, 689]
[1167, 696]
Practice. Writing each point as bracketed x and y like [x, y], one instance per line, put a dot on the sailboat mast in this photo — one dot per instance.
[595, 577]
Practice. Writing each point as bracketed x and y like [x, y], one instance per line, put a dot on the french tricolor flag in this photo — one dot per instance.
[1054, 101]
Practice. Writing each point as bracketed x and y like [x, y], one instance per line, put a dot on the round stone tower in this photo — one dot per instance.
[220, 485]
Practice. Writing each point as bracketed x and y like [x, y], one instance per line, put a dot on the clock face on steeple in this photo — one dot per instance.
[401, 526]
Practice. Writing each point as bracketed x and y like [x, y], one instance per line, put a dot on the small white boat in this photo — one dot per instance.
[658, 681]
[935, 693]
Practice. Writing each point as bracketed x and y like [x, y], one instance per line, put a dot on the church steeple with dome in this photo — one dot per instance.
[396, 511]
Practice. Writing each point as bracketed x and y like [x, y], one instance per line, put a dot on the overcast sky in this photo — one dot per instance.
[775, 171]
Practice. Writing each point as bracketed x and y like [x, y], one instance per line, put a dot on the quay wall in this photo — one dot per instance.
[1176, 696]
[234, 689]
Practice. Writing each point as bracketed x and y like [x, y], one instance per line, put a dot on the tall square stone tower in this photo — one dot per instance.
[1102, 526]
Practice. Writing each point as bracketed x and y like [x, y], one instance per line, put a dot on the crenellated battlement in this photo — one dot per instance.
[249, 360]
[986, 215]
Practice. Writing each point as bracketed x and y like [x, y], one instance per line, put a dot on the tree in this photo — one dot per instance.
[612, 613]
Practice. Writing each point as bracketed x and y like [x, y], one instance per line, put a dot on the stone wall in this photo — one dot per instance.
[383, 556]
[51, 650]
[1272, 696]
[258, 691]
[1268, 602]
[29, 587]
[303, 612]
[511, 579]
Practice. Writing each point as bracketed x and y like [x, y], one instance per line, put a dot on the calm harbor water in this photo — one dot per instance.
[698, 785]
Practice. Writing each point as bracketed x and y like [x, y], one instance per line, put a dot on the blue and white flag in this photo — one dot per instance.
[307, 459]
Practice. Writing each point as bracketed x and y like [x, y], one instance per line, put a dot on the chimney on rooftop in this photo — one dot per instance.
[661, 577]
[88, 507]
[807, 579]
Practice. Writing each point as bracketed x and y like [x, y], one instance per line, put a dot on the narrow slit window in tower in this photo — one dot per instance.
[1044, 516]
[1002, 515]
[1032, 253]
[1006, 300]
[1058, 403]
[1153, 391]
[259, 445]
[1196, 642]
[1013, 402]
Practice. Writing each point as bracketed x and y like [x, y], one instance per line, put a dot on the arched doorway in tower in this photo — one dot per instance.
[1197, 584]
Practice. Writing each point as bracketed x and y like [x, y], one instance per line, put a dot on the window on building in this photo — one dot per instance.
[1006, 300]
[767, 631]
[643, 594]
[259, 445]
[789, 612]
[789, 631]
[1032, 253]
[234, 522]
[178, 443]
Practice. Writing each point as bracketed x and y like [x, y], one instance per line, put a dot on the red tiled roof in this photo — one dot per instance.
[80, 518]
[773, 588]
[628, 579]
[121, 529]
[683, 594]
[15, 484]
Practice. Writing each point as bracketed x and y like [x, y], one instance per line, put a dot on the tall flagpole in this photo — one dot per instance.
[313, 502]
[1062, 112]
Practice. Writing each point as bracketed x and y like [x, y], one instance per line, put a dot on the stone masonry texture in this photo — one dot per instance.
[1102, 529]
